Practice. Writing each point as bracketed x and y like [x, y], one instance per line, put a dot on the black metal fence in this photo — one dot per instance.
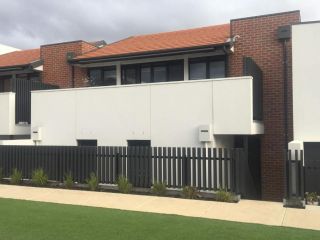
[295, 174]
[206, 169]
[23, 88]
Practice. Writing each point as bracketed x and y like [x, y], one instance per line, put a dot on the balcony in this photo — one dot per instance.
[15, 105]
[8, 126]
[167, 113]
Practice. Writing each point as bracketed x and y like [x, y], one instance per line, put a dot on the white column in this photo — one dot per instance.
[186, 68]
[118, 73]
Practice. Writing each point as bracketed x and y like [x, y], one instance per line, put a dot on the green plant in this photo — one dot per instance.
[190, 192]
[159, 188]
[68, 180]
[39, 178]
[223, 195]
[92, 182]
[311, 197]
[16, 177]
[124, 185]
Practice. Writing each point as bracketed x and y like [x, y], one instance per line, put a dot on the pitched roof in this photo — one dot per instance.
[197, 37]
[19, 58]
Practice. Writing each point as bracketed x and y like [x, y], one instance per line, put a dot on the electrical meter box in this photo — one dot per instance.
[205, 133]
[36, 134]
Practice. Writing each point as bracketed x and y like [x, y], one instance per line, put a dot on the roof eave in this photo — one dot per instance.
[29, 66]
[140, 55]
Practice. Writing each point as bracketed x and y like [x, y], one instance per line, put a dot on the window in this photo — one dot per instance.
[145, 74]
[152, 72]
[160, 74]
[95, 76]
[205, 68]
[198, 71]
[217, 69]
[109, 77]
[176, 71]
[130, 75]
[102, 76]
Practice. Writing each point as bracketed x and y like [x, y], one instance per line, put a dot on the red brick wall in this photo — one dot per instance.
[258, 39]
[56, 69]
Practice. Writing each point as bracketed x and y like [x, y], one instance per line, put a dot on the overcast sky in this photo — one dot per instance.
[30, 23]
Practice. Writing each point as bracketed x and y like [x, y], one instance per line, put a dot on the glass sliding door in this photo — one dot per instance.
[105, 76]
[207, 68]
[153, 72]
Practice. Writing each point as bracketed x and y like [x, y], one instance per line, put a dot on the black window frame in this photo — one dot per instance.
[207, 61]
[139, 66]
[102, 70]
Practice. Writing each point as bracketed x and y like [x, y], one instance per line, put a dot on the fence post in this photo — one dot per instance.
[237, 171]
[117, 164]
[302, 176]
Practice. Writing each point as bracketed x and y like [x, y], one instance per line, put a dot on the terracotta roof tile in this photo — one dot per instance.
[19, 58]
[196, 37]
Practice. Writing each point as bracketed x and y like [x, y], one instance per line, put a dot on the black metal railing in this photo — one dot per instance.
[206, 169]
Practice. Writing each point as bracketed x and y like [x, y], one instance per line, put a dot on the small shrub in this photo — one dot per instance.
[159, 188]
[92, 182]
[16, 177]
[311, 197]
[124, 185]
[223, 196]
[39, 178]
[190, 192]
[68, 180]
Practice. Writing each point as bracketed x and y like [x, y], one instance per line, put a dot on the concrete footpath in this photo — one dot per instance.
[261, 212]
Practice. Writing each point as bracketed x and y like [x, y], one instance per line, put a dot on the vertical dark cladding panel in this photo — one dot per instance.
[250, 68]
[22, 89]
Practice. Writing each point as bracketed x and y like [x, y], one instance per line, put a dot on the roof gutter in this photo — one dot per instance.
[151, 54]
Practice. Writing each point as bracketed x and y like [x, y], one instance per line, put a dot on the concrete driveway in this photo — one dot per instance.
[261, 212]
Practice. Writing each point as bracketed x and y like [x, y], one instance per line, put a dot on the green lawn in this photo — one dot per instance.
[31, 220]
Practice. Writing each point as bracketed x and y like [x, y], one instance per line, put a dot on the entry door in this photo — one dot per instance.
[250, 173]
[139, 163]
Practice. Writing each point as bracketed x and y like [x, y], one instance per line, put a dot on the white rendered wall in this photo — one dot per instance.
[6, 49]
[306, 81]
[7, 114]
[21, 142]
[168, 114]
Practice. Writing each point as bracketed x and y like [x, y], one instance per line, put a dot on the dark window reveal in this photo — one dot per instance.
[87, 143]
[102, 76]
[152, 72]
[206, 68]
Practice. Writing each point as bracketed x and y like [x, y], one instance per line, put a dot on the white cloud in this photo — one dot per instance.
[27, 24]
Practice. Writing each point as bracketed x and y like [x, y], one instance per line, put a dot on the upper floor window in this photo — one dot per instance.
[206, 68]
[152, 72]
[105, 76]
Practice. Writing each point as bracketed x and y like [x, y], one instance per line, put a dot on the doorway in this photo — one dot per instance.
[250, 167]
